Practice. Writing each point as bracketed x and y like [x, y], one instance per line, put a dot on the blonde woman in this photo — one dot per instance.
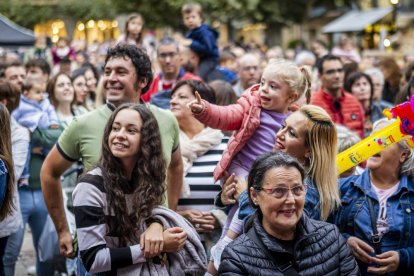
[310, 136]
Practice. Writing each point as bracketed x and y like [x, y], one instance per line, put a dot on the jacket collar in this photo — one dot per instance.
[304, 230]
[328, 97]
[363, 182]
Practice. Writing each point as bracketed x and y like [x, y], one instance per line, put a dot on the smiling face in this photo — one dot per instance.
[120, 81]
[179, 101]
[292, 136]
[275, 94]
[124, 140]
[64, 92]
[280, 215]
[389, 160]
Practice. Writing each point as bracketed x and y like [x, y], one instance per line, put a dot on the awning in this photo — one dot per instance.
[356, 21]
[12, 35]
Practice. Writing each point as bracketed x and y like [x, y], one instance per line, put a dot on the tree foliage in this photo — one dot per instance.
[27, 14]
[167, 12]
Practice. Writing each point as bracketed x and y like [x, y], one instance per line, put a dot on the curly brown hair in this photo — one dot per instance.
[147, 185]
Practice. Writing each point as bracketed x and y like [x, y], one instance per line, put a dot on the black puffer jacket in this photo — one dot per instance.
[319, 250]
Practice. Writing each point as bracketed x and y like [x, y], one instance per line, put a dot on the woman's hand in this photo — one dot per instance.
[360, 249]
[152, 240]
[228, 190]
[210, 223]
[387, 262]
[196, 105]
[174, 239]
[202, 221]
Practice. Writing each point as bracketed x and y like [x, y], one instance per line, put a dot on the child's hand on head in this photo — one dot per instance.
[196, 105]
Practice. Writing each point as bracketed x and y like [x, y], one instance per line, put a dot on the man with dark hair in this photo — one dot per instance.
[169, 58]
[15, 73]
[38, 69]
[127, 75]
[342, 106]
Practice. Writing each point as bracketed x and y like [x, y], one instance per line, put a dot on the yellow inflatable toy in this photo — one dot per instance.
[401, 129]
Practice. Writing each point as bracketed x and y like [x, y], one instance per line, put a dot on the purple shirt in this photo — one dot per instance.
[262, 141]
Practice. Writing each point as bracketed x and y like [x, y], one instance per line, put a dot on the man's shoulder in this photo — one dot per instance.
[348, 98]
[320, 93]
[319, 98]
[91, 117]
[161, 114]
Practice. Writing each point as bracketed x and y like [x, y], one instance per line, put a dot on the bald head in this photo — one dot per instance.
[249, 72]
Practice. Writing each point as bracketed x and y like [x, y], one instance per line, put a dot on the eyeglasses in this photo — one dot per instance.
[282, 192]
[333, 71]
[164, 56]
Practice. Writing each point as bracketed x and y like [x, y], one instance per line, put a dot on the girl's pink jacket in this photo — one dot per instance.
[243, 117]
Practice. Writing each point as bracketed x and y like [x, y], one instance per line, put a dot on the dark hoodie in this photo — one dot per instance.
[204, 42]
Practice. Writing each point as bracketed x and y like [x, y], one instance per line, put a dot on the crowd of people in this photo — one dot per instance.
[186, 158]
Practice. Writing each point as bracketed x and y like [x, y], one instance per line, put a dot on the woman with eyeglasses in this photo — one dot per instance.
[281, 239]
[309, 135]
[377, 212]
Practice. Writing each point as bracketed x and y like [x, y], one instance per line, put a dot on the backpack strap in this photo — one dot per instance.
[284, 267]
[375, 238]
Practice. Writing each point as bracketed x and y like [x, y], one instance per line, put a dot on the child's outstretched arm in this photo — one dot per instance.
[220, 117]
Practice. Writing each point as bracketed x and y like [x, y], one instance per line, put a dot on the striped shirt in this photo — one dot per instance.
[99, 250]
[203, 190]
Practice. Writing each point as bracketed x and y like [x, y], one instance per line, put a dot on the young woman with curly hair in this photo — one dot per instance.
[120, 225]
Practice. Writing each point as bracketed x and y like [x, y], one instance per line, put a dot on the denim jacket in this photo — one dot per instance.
[353, 218]
[3, 181]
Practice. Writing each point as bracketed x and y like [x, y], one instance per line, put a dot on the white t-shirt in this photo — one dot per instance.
[383, 195]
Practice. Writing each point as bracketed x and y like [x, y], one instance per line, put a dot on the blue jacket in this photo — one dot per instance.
[353, 217]
[3, 181]
[32, 114]
[204, 42]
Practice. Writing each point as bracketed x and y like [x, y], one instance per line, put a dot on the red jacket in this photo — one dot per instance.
[244, 117]
[156, 83]
[346, 111]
